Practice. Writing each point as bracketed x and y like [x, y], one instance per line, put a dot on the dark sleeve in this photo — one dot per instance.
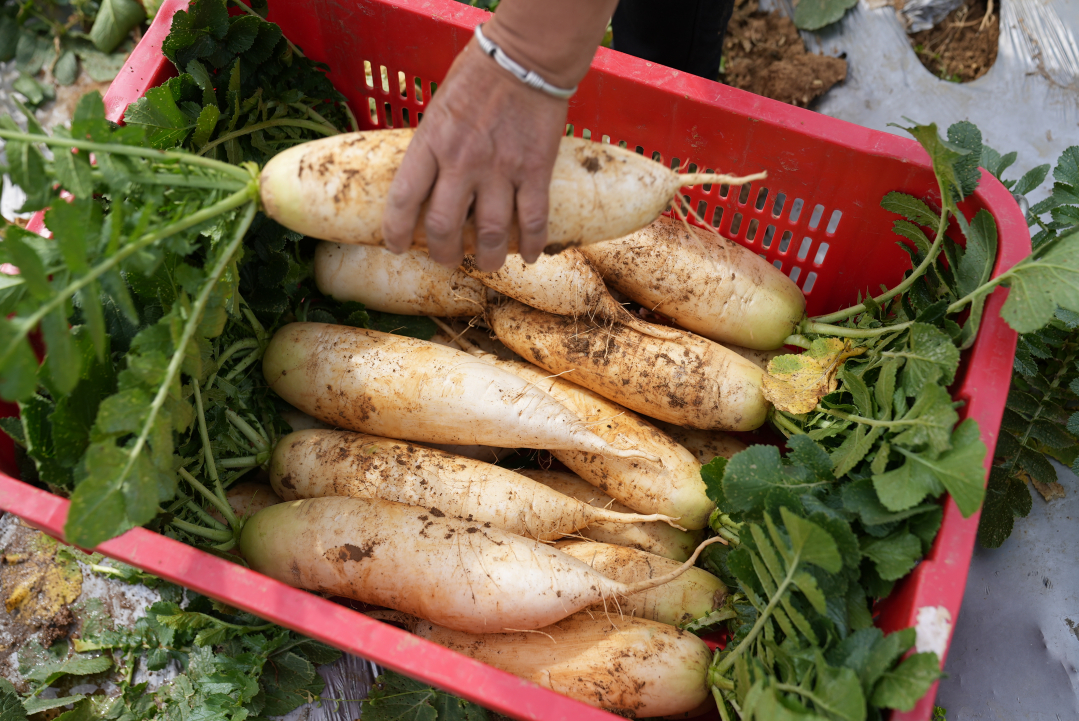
[682, 34]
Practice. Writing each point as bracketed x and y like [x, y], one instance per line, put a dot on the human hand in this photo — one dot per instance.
[484, 152]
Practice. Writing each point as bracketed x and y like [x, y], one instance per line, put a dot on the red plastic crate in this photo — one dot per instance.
[817, 218]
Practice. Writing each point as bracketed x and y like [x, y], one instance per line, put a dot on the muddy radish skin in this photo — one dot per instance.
[464, 575]
[672, 485]
[708, 284]
[319, 463]
[563, 284]
[659, 539]
[336, 189]
[633, 666]
[397, 387]
[694, 594]
[705, 445]
[407, 284]
[690, 382]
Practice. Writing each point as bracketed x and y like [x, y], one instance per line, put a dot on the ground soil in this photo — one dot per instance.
[764, 54]
[960, 48]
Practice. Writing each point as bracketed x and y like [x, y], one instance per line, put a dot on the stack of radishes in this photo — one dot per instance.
[572, 580]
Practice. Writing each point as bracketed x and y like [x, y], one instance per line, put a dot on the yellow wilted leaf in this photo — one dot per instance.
[794, 383]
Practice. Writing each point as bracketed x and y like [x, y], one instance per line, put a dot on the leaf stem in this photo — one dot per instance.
[243, 461]
[261, 444]
[120, 149]
[784, 424]
[173, 370]
[981, 290]
[730, 658]
[881, 299]
[174, 180]
[25, 326]
[221, 505]
[211, 467]
[280, 122]
[243, 365]
[196, 530]
[316, 117]
[809, 695]
[797, 340]
[240, 345]
[843, 332]
[205, 517]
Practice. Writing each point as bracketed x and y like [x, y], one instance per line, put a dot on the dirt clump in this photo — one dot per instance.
[963, 46]
[764, 54]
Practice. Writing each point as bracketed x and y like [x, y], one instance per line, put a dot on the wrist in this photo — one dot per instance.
[560, 63]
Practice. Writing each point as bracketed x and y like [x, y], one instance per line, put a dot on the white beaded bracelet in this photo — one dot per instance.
[528, 77]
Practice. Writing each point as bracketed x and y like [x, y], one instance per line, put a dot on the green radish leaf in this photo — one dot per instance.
[853, 449]
[996, 163]
[947, 158]
[929, 421]
[839, 690]
[103, 67]
[966, 135]
[906, 486]
[931, 357]
[860, 499]
[815, 14]
[980, 255]
[894, 555]
[114, 20]
[66, 70]
[959, 470]
[912, 209]
[1006, 497]
[204, 126]
[74, 173]
[9, 37]
[902, 688]
[18, 364]
[1032, 179]
[242, 32]
[157, 111]
[913, 233]
[1039, 285]
[398, 698]
[37, 704]
[77, 665]
[854, 385]
[62, 362]
[712, 475]
[815, 545]
[808, 461]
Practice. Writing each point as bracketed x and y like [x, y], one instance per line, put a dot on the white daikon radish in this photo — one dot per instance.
[336, 188]
[708, 284]
[456, 573]
[398, 387]
[407, 284]
[319, 463]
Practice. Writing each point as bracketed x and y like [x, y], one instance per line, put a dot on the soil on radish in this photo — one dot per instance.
[764, 54]
[959, 48]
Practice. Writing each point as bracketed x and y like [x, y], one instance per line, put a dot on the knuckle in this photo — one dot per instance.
[533, 222]
[439, 225]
